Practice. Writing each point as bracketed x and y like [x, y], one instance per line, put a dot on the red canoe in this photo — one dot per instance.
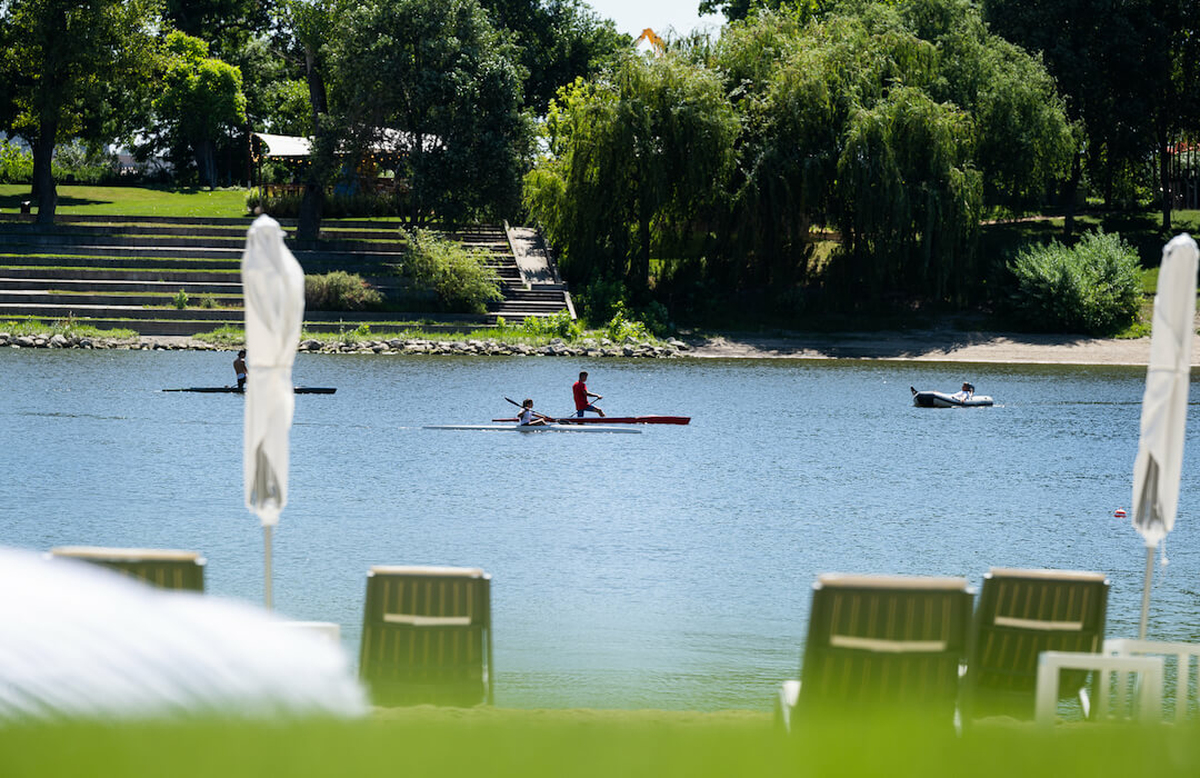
[618, 420]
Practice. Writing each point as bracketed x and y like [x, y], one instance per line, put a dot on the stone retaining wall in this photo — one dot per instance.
[591, 348]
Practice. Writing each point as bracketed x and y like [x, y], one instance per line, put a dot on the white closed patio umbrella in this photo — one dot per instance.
[273, 288]
[1159, 460]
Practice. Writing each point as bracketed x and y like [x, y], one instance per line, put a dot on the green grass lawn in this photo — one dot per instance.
[134, 201]
[448, 743]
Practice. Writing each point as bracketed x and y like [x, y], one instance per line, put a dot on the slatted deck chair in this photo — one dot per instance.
[881, 644]
[427, 636]
[164, 568]
[1022, 613]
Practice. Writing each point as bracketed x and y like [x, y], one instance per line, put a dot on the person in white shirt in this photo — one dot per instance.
[527, 417]
[965, 393]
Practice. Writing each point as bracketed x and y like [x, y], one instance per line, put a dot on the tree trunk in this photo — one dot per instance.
[1164, 169]
[641, 271]
[1070, 191]
[43, 174]
[206, 165]
[313, 203]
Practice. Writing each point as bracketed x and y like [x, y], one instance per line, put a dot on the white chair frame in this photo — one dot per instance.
[1051, 663]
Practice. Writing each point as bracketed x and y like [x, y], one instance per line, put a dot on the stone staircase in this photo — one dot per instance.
[110, 271]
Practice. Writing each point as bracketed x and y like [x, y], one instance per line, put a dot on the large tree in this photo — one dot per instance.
[896, 124]
[226, 25]
[303, 33]
[1130, 71]
[200, 99]
[73, 68]
[559, 40]
[442, 76]
[640, 153]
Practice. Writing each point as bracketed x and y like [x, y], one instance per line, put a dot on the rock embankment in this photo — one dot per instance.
[588, 347]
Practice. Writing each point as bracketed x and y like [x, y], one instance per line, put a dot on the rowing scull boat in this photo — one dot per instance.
[533, 428]
[617, 420]
[235, 390]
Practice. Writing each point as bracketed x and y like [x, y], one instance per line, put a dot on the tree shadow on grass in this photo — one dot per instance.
[14, 201]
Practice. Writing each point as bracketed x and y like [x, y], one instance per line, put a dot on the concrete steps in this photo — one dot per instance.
[112, 271]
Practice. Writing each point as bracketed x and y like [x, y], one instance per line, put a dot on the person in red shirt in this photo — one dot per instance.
[580, 390]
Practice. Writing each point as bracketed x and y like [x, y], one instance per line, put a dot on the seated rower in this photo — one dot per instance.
[528, 418]
[964, 394]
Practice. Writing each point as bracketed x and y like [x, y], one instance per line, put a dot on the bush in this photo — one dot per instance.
[621, 326]
[601, 298]
[556, 325]
[16, 166]
[180, 300]
[339, 291]
[73, 163]
[463, 280]
[336, 206]
[1091, 288]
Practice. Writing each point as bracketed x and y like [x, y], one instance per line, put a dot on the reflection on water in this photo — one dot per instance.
[670, 569]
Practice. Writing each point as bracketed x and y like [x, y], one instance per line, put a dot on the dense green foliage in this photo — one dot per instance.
[557, 41]
[339, 291]
[74, 162]
[443, 77]
[71, 70]
[1093, 287]
[558, 325]
[813, 156]
[640, 155]
[895, 124]
[1131, 72]
[337, 206]
[201, 99]
[462, 278]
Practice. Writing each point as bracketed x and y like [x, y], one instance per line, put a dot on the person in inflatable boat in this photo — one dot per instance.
[965, 393]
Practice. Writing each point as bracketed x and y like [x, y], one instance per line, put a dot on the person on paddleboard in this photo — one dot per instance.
[582, 403]
[527, 417]
[239, 368]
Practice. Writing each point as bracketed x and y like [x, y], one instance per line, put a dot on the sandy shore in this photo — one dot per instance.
[933, 346]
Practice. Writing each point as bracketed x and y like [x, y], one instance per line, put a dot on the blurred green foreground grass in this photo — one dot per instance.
[604, 744]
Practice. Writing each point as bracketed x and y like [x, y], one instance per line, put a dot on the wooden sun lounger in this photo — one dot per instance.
[427, 636]
[164, 568]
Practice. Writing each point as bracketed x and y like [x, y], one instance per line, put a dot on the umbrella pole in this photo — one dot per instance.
[1146, 592]
[267, 568]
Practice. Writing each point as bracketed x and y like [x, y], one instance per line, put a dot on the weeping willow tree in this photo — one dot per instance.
[636, 157]
[908, 204]
[895, 124]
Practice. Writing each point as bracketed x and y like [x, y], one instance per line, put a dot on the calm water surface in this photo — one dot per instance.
[670, 569]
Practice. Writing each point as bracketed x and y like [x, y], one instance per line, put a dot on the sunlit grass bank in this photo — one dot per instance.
[447, 743]
[135, 201]
[67, 328]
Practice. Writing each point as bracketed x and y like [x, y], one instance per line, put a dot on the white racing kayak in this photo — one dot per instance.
[537, 428]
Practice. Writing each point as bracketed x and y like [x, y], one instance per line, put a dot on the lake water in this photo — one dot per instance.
[670, 569]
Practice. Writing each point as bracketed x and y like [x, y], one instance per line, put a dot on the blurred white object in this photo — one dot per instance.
[273, 289]
[1159, 460]
[326, 630]
[80, 641]
[1149, 690]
